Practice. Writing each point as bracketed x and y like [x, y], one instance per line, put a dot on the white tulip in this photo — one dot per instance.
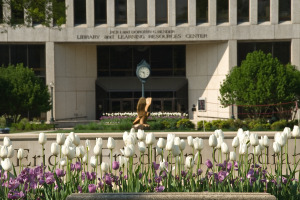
[132, 131]
[276, 147]
[54, 149]
[150, 139]
[170, 145]
[282, 139]
[240, 132]
[224, 148]
[10, 152]
[182, 145]
[176, 151]
[288, 132]
[72, 136]
[220, 141]
[177, 141]
[190, 141]
[104, 167]
[132, 148]
[65, 150]
[60, 138]
[63, 162]
[122, 161]
[93, 162]
[158, 151]
[161, 143]
[132, 134]
[266, 141]
[3, 152]
[6, 142]
[198, 144]
[97, 150]
[72, 153]
[68, 142]
[141, 135]
[128, 152]
[84, 158]
[170, 137]
[99, 142]
[162, 166]
[254, 139]
[20, 154]
[261, 143]
[296, 131]
[277, 137]
[111, 143]
[257, 150]
[232, 156]
[80, 152]
[125, 135]
[129, 140]
[87, 144]
[142, 147]
[189, 162]
[76, 140]
[42, 138]
[6, 164]
[212, 141]
[235, 142]
[243, 149]
[219, 133]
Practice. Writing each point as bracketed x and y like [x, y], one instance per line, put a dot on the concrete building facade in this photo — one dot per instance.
[204, 38]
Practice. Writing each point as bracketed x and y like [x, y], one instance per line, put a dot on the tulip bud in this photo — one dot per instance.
[220, 142]
[266, 141]
[277, 137]
[87, 144]
[182, 145]
[3, 152]
[176, 140]
[72, 153]
[76, 140]
[276, 147]
[104, 167]
[99, 142]
[287, 130]
[111, 143]
[122, 161]
[10, 152]
[190, 141]
[296, 131]
[219, 133]
[169, 145]
[42, 138]
[198, 144]
[6, 142]
[54, 149]
[150, 139]
[6, 164]
[170, 137]
[93, 162]
[282, 139]
[161, 143]
[129, 140]
[128, 152]
[80, 152]
[176, 151]
[142, 147]
[84, 158]
[254, 139]
[243, 149]
[63, 162]
[97, 150]
[158, 151]
[232, 156]
[20, 154]
[141, 135]
[60, 138]
[213, 142]
[261, 143]
[224, 148]
[235, 142]
[189, 162]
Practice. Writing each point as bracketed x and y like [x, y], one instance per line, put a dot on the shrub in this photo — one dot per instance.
[279, 125]
[208, 126]
[185, 124]
[200, 125]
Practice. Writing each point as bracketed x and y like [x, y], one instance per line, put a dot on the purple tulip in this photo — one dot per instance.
[155, 166]
[13, 184]
[78, 166]
[160, 188]
[72, 167]
[92, 188]
[222, 175]
[60, 172]
[125, 177]
[108, 180]
[100, 184]
[115, 165]
[209, 164]
[50, 179]
[199, 172]
[164, 174]
[158, 179]
[229, 166]
[140, 175]
[79, 189]
[15, 195]
[120, 173]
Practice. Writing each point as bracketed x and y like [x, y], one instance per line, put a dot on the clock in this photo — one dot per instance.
[143, 70]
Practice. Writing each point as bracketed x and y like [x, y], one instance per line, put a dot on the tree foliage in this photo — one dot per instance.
[28, 12]
[261, 80]
[22, 92]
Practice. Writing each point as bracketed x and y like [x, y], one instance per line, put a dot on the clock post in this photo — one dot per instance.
[143, 72]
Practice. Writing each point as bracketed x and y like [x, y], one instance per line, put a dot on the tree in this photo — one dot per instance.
[261, 80]
[22, 92]
[45, 12]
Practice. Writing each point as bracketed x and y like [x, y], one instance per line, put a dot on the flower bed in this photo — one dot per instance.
[74, 172]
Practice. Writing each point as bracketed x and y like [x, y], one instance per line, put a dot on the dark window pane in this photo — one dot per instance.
[4, 55]
[17, 12]
[161, 60]
[201, 11]
[284, 10]
[179, 60]
[121, 61]
[1, 13]
[115, 106]
[263, 10]
[79, 11]
[243, 10]
[168, 106]
[243, 50]
[161, 11]
[156, 106]
[121, 11]
[127, 106]
[59, 12]
[39, 5]
[100, 12]
[36, 59]
[140, 53]
[162, 94]
[266, 47]
[118, 95]
[103, 60]
[18, 54]
[222, 11]
[141, 11]
[181, 11]
[282, 51]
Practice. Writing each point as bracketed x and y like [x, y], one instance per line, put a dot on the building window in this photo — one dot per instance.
[243, 10]
[141, 12]
[280, 50]
[100, 12]
[59, 12]
[263, 10]
[161, 11]
[284, 10]
[79, 11]
[32, 56]
[181, 11]
[222, 11]
[1, 13]
[17, 12]
[121, 11]
[201, 11]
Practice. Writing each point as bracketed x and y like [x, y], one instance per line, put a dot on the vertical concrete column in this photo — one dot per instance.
[192, 12]
[151, 13]
[50, 72]
[295, 12]
[274, 12]
[212, 12]
[232, 48]
[172, 12]
[70, 13]
[253, 11]
[110, 13]
[295, 51]
[131, 13]
[233, 12]
[90, 13]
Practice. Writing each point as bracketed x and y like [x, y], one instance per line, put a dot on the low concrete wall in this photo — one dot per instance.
[173, 196]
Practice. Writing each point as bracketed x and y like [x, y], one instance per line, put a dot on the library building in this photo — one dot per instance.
[90, 62]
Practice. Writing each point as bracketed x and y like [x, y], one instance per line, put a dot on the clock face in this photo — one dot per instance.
[144, 72]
